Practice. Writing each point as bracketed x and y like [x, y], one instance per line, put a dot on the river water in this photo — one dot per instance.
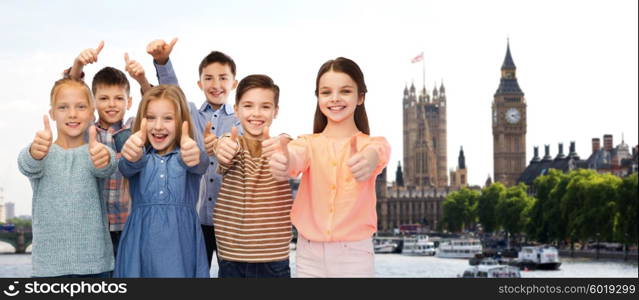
[397, 265]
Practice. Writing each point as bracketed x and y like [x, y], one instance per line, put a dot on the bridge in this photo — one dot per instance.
[20, 239]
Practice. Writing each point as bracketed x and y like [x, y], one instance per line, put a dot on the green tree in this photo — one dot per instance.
[546, 223]
[512, 211]
[572, 202]
[486, 204]
[459, 209]
[627, 206]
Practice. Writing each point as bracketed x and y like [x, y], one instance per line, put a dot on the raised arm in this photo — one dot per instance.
[160, 51]
[136, 71]
[87, 56]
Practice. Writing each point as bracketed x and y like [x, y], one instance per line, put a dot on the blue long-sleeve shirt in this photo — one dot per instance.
[222, 120]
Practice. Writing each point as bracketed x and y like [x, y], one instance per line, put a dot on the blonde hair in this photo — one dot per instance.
[72, 83]
[173, 94]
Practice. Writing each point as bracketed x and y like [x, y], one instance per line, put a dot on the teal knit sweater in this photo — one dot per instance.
[70, 226]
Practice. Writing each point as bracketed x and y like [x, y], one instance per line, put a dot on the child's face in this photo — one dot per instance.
[161, 124]
[71, 112]
[255, 110]
[338, 96]
[217, 82]
[112, 102]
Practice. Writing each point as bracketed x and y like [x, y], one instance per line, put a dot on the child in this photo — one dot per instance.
[111, 90]
[252, 214]
[70, 227]
[217, 81]
[162, 237]
[334, 212]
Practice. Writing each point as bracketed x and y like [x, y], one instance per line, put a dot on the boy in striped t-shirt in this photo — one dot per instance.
[252, 215]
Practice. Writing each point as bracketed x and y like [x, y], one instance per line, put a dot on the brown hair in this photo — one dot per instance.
[350, 68]
[174, 94]
[68, 82]
[257, 81]
[217, 57]
[109, 76]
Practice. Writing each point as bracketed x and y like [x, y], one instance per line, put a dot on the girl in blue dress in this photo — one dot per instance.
[162, 236]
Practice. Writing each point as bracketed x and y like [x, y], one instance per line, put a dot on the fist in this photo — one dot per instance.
[134, 147]
[227, 148]
[188, 148]
[134, 68]
[160, 50]
[97, 151]
[89, 56]
[278, 162]
[210, 140]
[362, 164]
[42, 141]
[271, 145]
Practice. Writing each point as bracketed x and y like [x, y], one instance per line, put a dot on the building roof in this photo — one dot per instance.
[508, 60]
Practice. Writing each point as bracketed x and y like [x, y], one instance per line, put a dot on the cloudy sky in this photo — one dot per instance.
[576, 60]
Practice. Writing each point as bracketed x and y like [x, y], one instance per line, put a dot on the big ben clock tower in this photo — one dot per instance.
[509, 125]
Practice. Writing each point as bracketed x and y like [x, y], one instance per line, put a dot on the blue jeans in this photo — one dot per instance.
[234, 269]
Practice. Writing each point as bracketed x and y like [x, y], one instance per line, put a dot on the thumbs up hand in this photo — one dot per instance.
[188, 148]
[227, 148]
[209, 139]
[98, 152]
[42, 141]
[90, 55]
[134, 147]
[278, 161]
[270, 145]
[363, 163]
[134, 68]
[160, 50]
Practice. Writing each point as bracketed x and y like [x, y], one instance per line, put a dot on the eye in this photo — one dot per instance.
[150, 117]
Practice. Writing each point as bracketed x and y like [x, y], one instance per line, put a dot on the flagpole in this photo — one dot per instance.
[423, 72]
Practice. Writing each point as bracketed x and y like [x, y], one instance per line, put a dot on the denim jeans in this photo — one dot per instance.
[234, 269]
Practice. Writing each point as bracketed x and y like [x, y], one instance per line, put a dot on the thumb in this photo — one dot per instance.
[284, 146]
[265, 134]
[185, 132]
[172, 43]
[142, 131]
[99, 48]
[47, 126]
[93, 140]
[207, 129]
[353, 145]
[234, 134]
[126, 58]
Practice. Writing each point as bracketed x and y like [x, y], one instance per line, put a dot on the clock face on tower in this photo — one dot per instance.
[513, 116]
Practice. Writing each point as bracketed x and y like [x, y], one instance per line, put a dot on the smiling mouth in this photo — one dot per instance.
[73, 124]
[112, 113]
[216, 94]
[256, 123]
[337, 108]
[159, 137]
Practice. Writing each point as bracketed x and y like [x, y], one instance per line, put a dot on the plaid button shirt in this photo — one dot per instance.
[115, 189]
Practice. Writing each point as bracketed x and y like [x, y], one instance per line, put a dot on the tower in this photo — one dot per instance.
[424, 137]
[509, 125]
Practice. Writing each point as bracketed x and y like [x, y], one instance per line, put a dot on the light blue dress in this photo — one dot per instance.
[162, 236]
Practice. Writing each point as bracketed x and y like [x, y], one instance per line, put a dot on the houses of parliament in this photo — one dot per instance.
[422, 179]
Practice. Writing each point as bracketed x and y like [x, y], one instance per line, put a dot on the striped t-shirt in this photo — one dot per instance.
[252, 215]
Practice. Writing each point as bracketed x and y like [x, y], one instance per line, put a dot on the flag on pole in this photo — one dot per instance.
[417, 58]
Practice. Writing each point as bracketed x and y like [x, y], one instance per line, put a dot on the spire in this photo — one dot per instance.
[412, 87]
[508, 60]
[399, 177]
[435, 90]
[442, 90]
[405, 90]
[461, 161]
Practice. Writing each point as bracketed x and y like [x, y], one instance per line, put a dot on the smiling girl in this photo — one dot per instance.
[335, 209]
[162, 236]
[70, 226]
